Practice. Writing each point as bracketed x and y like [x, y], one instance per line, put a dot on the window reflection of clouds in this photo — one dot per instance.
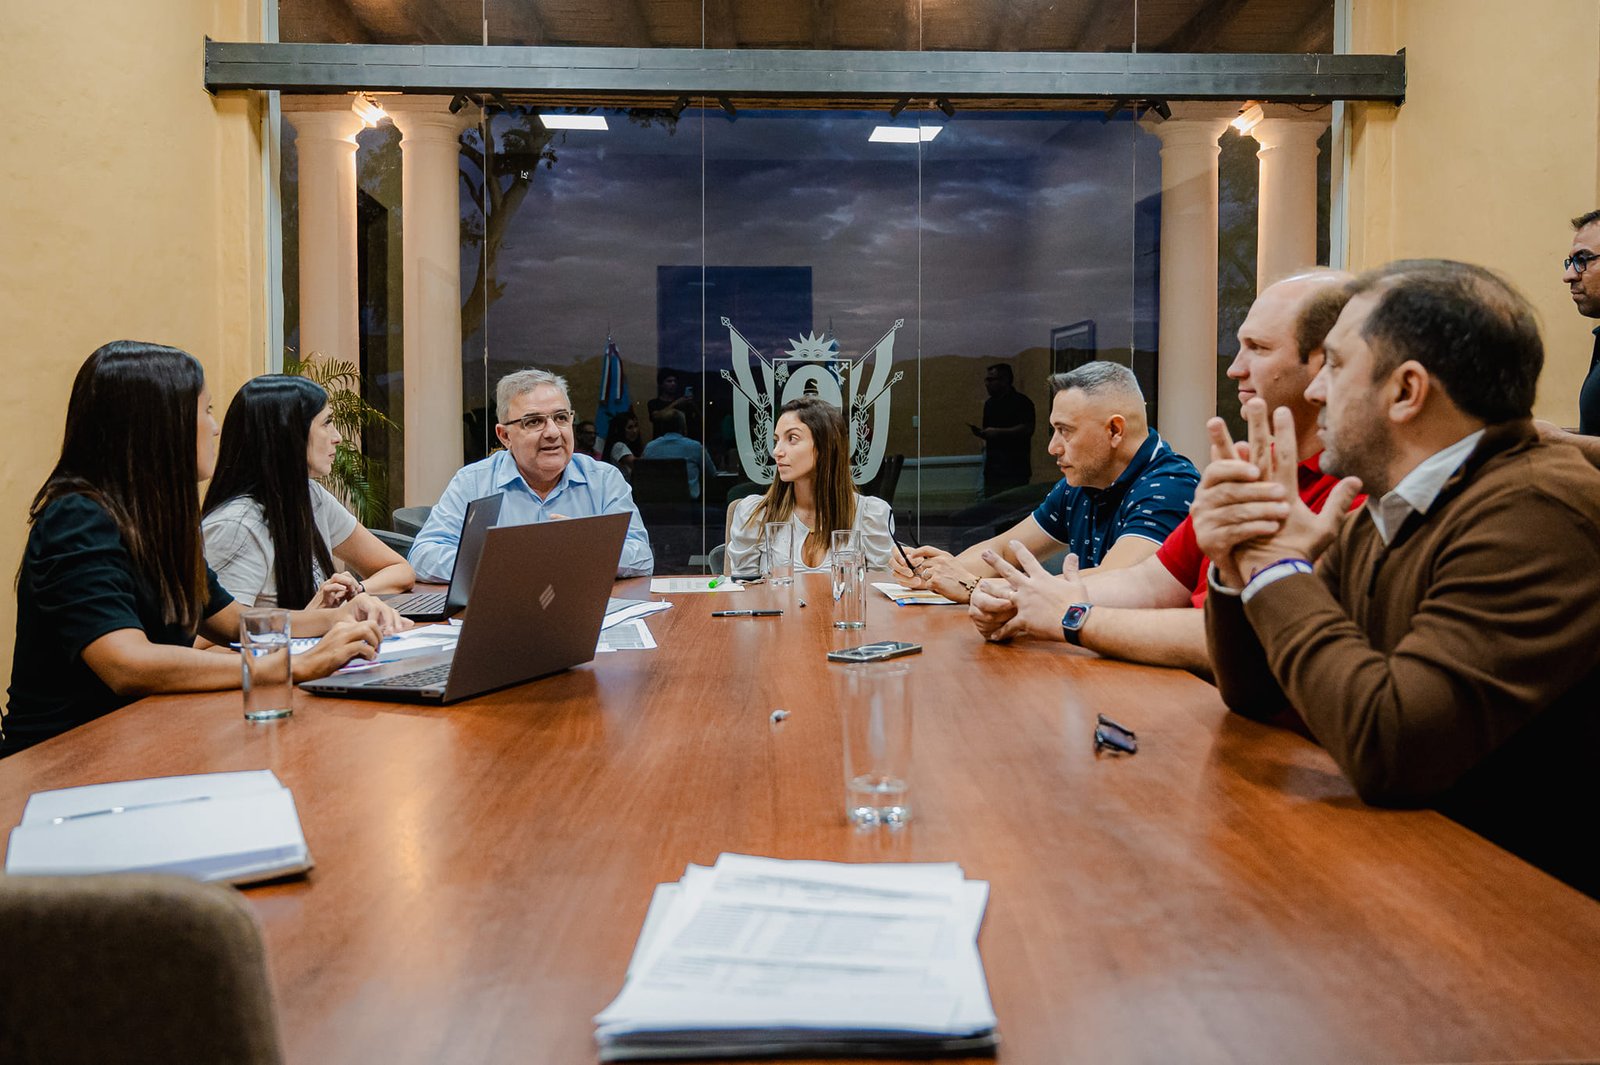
[1026, 221]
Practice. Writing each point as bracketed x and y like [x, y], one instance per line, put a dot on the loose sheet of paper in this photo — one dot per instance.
[904, 596]
[628, 636]
[620, 610]
[673, 585]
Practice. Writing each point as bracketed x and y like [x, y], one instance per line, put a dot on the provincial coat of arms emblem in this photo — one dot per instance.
[813, 365]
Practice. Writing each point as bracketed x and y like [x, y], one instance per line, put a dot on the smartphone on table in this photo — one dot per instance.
[875, 652]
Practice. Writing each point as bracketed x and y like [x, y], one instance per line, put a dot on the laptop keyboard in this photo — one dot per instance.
[419, 602]
[417, 678]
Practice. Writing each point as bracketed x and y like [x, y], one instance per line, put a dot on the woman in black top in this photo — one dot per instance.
[113, 586]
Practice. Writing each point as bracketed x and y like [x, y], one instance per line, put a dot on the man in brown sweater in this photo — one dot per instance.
[1444, 644]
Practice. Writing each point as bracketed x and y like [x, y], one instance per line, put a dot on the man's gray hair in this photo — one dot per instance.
[1098, 378]
[515, 384]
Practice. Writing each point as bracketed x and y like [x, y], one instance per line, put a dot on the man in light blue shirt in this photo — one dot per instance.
[538, 476]
[673, 444]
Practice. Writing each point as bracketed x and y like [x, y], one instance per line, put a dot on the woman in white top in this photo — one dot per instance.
[270, 533]
[812, 491]
[624, 442]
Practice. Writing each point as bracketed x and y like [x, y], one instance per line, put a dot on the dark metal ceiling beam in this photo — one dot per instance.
[782, 72]
[1205, 27]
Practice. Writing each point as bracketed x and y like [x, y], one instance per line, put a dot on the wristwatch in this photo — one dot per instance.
[1072, 622]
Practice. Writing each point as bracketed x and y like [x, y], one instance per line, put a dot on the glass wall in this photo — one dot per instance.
[695, 262]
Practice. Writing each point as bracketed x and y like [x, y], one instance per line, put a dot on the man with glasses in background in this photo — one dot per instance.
[538, 476]
[1583, 282]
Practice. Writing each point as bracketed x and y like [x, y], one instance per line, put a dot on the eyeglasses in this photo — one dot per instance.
[535, 423]
[1107, 733]
[1578, 261]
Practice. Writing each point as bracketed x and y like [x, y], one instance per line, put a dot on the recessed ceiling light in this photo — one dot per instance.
[574, 121]
[904, 134]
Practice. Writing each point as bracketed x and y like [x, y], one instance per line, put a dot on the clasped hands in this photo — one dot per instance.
[1247, 512]
[343, 590]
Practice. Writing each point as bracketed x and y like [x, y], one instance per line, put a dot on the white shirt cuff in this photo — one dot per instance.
[1286, 567]
[1216, 582]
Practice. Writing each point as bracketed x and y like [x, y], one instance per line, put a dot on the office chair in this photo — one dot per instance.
[886, 479]
[660, 481]
[398, 541]
[137, 968]
[410, 520]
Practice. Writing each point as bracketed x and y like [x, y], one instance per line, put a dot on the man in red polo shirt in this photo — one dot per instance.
[1147, 612]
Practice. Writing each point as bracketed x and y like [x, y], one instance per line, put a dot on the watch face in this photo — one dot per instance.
[1073, 618]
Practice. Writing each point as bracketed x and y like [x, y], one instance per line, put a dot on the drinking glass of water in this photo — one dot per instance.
[875, 704]
[777, 553]
[264, 650]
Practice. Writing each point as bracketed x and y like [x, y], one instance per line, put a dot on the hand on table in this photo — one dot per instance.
[1018, 603]
[366, 607]
[339, 588]
[936, 570]
[347, 640]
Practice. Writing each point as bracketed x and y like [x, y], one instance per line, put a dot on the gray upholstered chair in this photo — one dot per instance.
[109, 969]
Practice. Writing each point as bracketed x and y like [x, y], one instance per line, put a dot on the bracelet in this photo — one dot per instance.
[361, 587]
[1284, 567]
[1298, 565]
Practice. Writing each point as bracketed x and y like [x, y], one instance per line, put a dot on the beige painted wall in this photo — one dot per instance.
[130, 207]
[1495, 148]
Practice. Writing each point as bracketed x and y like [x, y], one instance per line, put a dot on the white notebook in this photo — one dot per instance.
[233, 827]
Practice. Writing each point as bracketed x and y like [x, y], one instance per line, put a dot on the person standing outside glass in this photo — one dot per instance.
[1007, 432]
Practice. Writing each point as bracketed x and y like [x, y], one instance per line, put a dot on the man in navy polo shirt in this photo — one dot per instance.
[1122, 490]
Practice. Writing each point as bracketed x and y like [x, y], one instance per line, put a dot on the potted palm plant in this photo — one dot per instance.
[359, 484]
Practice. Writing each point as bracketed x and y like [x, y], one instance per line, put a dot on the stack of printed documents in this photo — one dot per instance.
[757, 956]
[234, 827]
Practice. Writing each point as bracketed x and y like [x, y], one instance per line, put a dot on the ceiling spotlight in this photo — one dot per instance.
[1250, 116]
[903, 134]
[459, 101]
[1160, 107]
[573, 121]
[943, 103]
[367, 109]
[679, 105]
[727, 107]
[900, 105]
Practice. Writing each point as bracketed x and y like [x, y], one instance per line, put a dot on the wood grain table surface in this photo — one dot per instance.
[482, 870]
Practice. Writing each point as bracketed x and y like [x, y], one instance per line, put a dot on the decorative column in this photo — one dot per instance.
[325, 142]
[1188, 317]
[430, 149]
[1286, 226]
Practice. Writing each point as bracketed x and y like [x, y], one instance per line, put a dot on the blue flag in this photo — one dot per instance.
[614, 398]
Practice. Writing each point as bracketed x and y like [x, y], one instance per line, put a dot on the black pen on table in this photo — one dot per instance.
[746, 613]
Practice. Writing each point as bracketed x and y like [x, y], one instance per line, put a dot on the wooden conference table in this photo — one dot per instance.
[482, 870]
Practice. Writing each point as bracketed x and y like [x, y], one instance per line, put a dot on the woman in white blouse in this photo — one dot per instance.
[271, 532]
[812, 491]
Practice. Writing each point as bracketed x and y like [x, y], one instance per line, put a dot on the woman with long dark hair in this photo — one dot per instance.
[113, 585]
[271, 532]
[624, 441]
[812, 491]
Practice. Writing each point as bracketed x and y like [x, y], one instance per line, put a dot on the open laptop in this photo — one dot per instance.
[538, 599]
[436, 606]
